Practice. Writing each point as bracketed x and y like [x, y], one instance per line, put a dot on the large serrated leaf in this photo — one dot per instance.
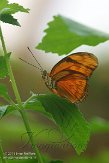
[3, 68]
[69, 119]
[63, 35]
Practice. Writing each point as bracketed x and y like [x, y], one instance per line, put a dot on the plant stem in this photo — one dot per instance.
[17, 95]
[2, 154]
[10, 71]
[30, 134]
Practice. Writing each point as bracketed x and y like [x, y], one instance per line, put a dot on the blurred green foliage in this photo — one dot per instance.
[96, 104]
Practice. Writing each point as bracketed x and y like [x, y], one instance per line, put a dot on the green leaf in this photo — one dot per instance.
[3, 3]
[5, 110]
[3, 68]
[7, 18]
[14, 8]
[68, 117]
[34, 104]
[4, 92]
[2, 111]
[6, 11]
[63, 35]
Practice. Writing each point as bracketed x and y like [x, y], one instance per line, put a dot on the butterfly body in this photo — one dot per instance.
[48, 80]
[69, 77]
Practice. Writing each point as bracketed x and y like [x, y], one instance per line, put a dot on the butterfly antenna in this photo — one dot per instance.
[30, 64]
[35, 58]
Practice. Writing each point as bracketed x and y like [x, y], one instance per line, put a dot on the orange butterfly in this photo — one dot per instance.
[69, 77]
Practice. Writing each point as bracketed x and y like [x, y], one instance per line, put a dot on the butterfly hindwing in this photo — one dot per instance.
[72, 87]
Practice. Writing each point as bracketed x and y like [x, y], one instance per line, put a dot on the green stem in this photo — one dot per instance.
[17, 95]
[2, 154]
[30, 134]
[10, 71]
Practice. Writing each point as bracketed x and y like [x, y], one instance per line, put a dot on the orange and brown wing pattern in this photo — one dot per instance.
[72, 87]
[71, 75]
[81, 62]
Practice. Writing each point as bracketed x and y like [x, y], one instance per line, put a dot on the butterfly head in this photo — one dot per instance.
[44, 74]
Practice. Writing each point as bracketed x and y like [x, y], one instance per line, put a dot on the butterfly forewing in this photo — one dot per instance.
[82, 62]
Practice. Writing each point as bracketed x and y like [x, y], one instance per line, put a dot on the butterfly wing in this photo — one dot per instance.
[81, 62]
[71, 74]
[72, 87]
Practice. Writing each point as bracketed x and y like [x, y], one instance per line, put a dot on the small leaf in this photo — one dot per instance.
[63, 35]
[2, 111]
[69, 119]
[5, 110]
[6, 11]
[7, 18]
[3, 68]
[14, 8]
[4, 92]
